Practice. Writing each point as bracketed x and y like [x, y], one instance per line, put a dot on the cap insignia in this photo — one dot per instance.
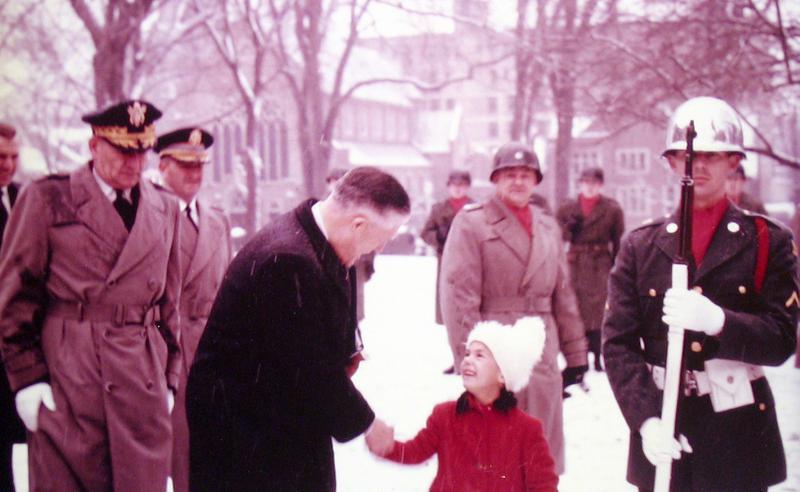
[196, 137]
[518, 155]
[137, 112]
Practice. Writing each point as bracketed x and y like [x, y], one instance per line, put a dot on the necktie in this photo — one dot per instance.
[125, 209]
[188, 211]
[3, 215]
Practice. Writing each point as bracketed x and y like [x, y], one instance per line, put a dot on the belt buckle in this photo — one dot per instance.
[689, 383]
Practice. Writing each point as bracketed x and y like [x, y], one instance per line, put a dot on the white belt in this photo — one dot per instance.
[698, 381]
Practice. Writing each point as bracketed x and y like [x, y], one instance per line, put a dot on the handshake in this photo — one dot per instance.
[380, 438]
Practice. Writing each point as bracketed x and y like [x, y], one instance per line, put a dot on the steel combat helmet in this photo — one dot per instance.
[716, 123]
[515, 154]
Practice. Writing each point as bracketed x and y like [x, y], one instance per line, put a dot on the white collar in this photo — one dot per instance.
[316, 211]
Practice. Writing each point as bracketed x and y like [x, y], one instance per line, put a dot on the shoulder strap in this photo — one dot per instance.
[762, 252]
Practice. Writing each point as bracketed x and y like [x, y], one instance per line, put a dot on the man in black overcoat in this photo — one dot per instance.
[739, 313]
[270, 384]
[11, 429]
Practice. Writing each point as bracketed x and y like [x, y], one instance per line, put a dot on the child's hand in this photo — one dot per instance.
[380, 438]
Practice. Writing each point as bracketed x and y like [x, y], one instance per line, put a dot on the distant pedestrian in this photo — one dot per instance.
[436, 228]
[205, 254]
[482, 441]
[270, 384]
[11, 429]
[734, 189]
[89, 285]
[739, 314]
[504, 259]
[592, 225]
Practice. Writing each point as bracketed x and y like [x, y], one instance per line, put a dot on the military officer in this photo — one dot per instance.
[592, 224]
[89, 286]
[12, 428]
[740, 314]
[504, 260]
[436, 227]
[205, 254]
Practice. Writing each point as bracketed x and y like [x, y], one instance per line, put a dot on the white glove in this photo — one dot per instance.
[658, 445]
[691, 310]
[28, 401]
[170, 401]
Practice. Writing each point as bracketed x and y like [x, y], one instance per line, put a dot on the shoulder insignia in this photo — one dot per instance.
[472, 206]
[56, 176]
[794, 247]
[793, 299]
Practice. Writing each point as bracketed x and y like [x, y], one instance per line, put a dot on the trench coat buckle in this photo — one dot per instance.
[119, 314]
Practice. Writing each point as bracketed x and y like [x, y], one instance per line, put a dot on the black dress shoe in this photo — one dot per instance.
[450, 370]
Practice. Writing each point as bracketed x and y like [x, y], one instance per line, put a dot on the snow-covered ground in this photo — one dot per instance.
[402, 379]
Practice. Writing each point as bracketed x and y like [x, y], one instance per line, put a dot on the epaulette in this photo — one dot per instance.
[159, 186]
[770, 220]
[651, 222]
[472, 206]
[56, 176]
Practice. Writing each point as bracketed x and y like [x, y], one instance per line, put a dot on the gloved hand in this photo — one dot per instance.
[380, 438]
[355, 361]
[658, 446]
[28, 401]
[573, 375]
[170, 400]
[691, 310]
[574, 224]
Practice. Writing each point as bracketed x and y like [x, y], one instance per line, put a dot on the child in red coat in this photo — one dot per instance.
[483, 441]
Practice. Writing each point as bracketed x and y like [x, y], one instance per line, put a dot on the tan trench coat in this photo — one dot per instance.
[79, 297]
[204, 259]
[492, 270]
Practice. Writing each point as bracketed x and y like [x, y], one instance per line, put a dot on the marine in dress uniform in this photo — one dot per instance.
[592, 224]
[89, 286]
[503, 260]
[740, 314]
[11, 429]
[736, 194]
[205, 254]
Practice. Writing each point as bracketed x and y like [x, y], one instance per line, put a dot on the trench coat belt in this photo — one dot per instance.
[532, 305]
[698, 380]
[119, 314]
[589, 247]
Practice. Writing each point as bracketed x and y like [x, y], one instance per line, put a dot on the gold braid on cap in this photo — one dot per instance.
[121, 137]
[185, 155]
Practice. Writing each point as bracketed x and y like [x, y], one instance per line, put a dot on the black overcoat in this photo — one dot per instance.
[268, 388]
[735, 450]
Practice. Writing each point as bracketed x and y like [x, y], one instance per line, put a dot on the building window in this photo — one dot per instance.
[391, 126]
[492, 105]
[363, 123]
[272, 144]
[634, 199]
[670, 196]
[493, 130]
[632, 161]
[450, 104]
[434, 105]
[583, 159]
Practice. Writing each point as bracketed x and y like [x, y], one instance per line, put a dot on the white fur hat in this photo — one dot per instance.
[516, 349]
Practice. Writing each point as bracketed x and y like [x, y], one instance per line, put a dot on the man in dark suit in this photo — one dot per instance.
[740, 313]
[11, 428]
[270, 382]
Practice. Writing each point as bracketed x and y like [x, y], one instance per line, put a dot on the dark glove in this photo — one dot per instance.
[573, 375]
[574, 224]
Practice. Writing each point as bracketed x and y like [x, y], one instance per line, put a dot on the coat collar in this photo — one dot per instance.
[331, 264]
[508, 228]
[211, 237]
[597, 212]
[732, 235]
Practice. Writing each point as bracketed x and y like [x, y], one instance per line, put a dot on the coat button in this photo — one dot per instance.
[109, 387]
[153, 284]
[149, 385]
[697, 346]
[742, 289]
[672, 228]
[733, 227]
[762, 406]
[111, 283]
[729, 379]
[652, 292]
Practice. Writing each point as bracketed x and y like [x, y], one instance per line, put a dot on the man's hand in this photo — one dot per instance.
[355, 361]
[573, 375]
[691, 310]
[380, 438]
[28, 401]
[658, 446]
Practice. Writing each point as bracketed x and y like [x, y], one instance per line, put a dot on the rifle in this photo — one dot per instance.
[680, 280]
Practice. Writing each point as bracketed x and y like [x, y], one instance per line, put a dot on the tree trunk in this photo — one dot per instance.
[109, 71]
[251, 175]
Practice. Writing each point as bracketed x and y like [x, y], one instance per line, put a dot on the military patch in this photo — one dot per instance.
[794, 248]
[793, 299]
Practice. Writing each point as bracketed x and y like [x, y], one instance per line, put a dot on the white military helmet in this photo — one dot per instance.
[716, 123]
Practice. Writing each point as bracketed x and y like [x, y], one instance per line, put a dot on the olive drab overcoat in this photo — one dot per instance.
[92, 309]
[205, 254]
[594, 242]
[738, 449]
[493, 270]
